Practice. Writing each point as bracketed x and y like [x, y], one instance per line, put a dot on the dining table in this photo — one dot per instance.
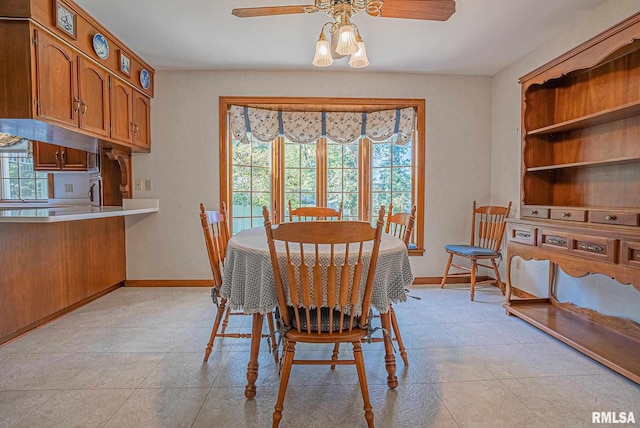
[248, 284]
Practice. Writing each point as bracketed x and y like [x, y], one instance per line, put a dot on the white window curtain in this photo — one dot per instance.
[305, 127]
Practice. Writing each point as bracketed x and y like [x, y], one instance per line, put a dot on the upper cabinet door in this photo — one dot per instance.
[56, 81]
[93, 85]
[121, 111]
[141, 121]
[73, 159]
[46, 157]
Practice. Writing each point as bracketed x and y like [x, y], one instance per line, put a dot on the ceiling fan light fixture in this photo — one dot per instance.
[347, 44]
[359, 59]
[322, 57]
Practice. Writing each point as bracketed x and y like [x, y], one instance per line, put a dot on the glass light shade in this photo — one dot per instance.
[359, 59]
[346, 40]
[322, 58]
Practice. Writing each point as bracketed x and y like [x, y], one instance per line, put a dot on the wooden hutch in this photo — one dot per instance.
[580, 189]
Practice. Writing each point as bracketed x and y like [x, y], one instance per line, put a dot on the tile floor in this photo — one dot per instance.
[134, 359]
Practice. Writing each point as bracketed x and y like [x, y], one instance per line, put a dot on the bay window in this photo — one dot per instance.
[362, 172]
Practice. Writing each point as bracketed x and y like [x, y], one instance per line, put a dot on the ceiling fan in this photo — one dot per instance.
[349, 41]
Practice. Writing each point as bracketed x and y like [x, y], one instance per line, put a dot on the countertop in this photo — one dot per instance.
[59, 213]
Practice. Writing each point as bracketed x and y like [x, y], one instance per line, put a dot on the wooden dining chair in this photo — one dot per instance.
[216, 237]
[312, 311]
[314, 213]
[487, 231]
[399, 225]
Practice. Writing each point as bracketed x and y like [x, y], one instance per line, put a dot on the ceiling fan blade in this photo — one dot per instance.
[433, 10]
[249, 12]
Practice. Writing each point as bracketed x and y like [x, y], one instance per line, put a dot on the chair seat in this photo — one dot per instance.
[471, 250]
[324, 319]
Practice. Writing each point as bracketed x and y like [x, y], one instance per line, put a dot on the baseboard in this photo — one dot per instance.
[168, 283]
[427, 280]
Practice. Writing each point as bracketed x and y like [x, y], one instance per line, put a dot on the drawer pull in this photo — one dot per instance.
[534, 212]
[592, 248]
[524, 235]
[638, 256]
[555, 241]
[566, 214]
[611, 218]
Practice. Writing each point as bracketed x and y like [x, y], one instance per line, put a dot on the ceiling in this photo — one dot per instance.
[481, 38]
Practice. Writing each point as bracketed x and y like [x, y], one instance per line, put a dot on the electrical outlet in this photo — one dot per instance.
[139, 184]
[147, 184]
[68, 188]
[518, 263]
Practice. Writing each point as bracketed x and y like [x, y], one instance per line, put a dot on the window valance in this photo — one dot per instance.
[306, 127]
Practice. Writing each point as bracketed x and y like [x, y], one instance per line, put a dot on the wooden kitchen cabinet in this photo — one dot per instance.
[49, 157]
[56, 80]
[59, 91]
[121, 111]
[70, 89]
[93, 84]
[141, 121]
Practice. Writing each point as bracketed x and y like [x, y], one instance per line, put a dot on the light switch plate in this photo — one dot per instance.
[68, 188]
[147, 184]
[139, 184]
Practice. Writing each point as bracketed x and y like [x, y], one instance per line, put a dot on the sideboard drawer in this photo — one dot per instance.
[630, 253]
[569, 215]
[595, 247]
[533, 211]
[554, 240]
[613, 217]
[523, 234]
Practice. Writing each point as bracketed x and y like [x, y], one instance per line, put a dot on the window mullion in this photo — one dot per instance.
[277, 180]
[321, 172]
[364, 176]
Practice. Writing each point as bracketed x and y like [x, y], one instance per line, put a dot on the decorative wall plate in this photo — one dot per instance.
[101, 46]
[145, 79]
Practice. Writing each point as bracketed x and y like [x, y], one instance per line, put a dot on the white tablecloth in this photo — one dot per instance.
[248, 282]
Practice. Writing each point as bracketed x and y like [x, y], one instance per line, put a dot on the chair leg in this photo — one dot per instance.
[495, 269]
[225, 323]
[284, 380]
[362, 377]
[272, 333]
[474, 268]
[334, 357]
[446, 271]
[396, 333]
[214, 330]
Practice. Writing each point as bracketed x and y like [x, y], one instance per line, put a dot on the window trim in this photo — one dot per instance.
[358, 105]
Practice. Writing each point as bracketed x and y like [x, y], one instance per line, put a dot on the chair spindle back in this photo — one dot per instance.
[488, 226]
[216, 238]
[400, 225]
[314, 213]
[305, 268]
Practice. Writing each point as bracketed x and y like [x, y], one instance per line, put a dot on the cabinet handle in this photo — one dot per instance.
[555, 241]
[592, 248]
[76, 104]
[566, 214]
[611, 218]
[638, 256]
[534, 212]
[90, 193]
[524, 235]
[136, 128]
[57, 155]
[133, 127]
[84, 107]
[63, 161]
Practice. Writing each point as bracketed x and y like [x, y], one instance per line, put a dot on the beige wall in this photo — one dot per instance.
[597, 291]
[183, 165]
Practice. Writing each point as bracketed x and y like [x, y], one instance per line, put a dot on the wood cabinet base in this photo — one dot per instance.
[49, 268]
[615, 350]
